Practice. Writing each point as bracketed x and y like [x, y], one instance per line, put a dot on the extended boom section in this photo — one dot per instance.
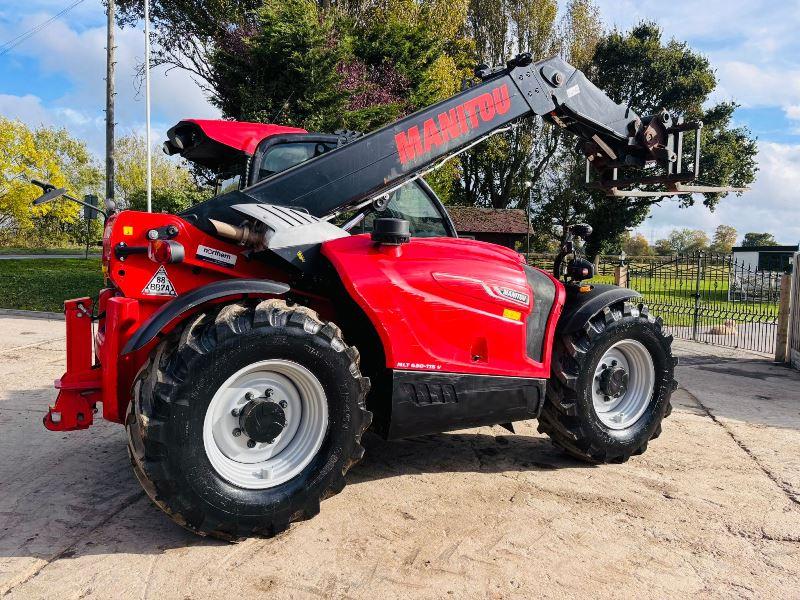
[385, 158]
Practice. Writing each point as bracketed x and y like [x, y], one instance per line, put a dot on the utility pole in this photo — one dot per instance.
[110, 66]
[147, 103]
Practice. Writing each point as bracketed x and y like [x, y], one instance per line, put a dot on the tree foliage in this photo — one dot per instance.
[758, 239]
[500, 172]
[684, 241]
[636, 245]
[173, 186]
[724, 239]
[360, 64]
[47, 154]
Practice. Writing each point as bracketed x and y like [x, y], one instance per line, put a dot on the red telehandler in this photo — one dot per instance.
[247, 343]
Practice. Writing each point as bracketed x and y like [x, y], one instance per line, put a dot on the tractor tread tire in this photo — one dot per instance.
[561, 414]
[157, 404]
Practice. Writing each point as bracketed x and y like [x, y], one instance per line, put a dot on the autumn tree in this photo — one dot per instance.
[635, 245]
[48, 154]
[724, 239]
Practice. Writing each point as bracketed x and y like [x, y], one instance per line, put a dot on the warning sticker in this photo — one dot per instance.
[218, 257]
[159, 284]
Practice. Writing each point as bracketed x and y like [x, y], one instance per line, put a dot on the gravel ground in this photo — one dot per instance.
[712, 509]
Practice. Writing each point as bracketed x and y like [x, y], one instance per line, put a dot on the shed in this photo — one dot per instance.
[503, 226]
[764, 258]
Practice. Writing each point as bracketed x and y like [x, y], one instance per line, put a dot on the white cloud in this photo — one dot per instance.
[753, 85]
[27, 109]
[792, 112]
[79, 56]
[771, 205]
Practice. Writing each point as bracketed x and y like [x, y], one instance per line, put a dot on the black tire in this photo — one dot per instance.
[172, 392]
[568, 416]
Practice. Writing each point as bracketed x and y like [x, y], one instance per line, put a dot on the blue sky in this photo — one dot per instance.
[56, 77]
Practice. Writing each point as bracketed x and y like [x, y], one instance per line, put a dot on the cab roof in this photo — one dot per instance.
[223, 146]
[239, 135]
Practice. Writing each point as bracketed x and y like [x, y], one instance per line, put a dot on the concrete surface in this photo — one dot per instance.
[711, 510]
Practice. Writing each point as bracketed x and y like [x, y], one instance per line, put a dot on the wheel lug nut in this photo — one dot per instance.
[250, 395]
[251, 443]
[613, 363]
[237, 432]
[283, 403]
[235, 412]
[268, 392]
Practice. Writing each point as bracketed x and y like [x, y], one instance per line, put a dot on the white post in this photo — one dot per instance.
[147, 102]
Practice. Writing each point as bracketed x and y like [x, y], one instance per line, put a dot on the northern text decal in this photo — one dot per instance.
[218, 257]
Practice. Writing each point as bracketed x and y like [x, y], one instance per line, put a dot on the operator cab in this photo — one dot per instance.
[238, 155]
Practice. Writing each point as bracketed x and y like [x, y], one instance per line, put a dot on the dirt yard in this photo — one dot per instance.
[712, 509]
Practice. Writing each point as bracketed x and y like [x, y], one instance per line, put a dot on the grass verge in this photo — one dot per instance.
[6, 250]
[44, 284]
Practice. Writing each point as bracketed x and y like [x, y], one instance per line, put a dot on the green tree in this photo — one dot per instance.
[683, 241]
[496, 173]
[281, 66]
[173, 185]
[663, 247]
[640, 69]
[758, 239]
[724, 239]
[48, 154]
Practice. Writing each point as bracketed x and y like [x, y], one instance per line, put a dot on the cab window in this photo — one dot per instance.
[411, 203]
[283, 156]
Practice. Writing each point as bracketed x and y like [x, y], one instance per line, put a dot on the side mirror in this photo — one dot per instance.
[49, 196]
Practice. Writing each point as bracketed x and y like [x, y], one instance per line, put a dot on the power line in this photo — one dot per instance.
[14, 42]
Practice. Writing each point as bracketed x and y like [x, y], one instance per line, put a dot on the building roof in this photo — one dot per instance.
[766, 248]
[472, 219]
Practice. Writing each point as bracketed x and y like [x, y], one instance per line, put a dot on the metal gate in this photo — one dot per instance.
[711, 298]
[794, 315]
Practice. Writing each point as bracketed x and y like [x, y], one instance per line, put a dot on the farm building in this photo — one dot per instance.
[504, 226]
[764, 258]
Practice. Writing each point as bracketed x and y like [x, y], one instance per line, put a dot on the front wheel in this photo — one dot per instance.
[611, 385]
[246, 417]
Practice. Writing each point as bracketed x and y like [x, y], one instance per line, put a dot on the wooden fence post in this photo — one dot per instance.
[621, 275]
[782, 336]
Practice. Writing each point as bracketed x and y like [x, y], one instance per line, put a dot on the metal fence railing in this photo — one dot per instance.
[712, 298]
[705, 297]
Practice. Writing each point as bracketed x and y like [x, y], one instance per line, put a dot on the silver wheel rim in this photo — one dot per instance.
[265, 465]
[623, 410]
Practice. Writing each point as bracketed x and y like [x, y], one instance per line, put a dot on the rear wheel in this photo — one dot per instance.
[611, 385]
[247, 417]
